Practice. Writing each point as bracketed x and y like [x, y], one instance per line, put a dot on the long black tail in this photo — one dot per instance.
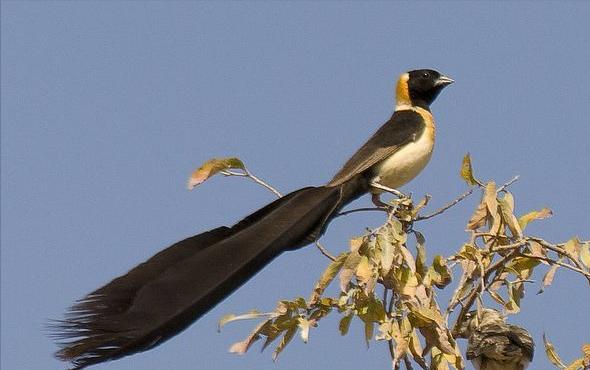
[162, 296]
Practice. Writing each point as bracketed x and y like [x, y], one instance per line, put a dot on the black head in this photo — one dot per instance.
[423, 86]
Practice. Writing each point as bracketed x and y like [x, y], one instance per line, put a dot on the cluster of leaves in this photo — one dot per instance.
[494, 265]
[582, 363]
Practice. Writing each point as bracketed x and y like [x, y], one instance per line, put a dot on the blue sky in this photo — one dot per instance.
[108, 107]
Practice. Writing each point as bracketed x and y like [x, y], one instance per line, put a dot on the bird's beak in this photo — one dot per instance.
[444, 81]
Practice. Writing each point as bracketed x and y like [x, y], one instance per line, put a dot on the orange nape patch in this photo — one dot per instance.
[402, 92]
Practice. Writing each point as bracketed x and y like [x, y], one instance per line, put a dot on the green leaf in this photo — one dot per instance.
[467, 171]
[524, 220]
[369, 328]
[552, 354]
[420, 255]
[213, 167]
[344, 324]
[289, 334]
[443, 277]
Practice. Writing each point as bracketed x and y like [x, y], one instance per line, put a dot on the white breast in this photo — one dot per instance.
[405, 164]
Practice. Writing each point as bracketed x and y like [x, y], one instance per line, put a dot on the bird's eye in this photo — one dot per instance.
[425, 75]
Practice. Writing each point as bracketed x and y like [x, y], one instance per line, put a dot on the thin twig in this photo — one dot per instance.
[263, 183]
[252, 177]
[324, 251]
[552, 261]
[512, 181]
[449, 205]
[360, 210]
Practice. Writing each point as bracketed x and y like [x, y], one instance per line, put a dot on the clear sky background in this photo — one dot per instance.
[108, 107]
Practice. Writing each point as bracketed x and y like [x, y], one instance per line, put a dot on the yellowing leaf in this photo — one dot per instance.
[363, 271]
[443, 273]
[467, 171]
[507, 208]
[213, 167]
[576, 365]
[478, 219]
[585, 254]
[573, 247]
[524, 220]
[348, 270]
[552, 354]
[328, 275]
[548, 278]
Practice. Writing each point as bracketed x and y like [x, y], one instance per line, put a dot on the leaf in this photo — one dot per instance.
[573, 247]
[507, 208]
[478, 219]
[548, 278]
[421, 254]
[387, 249]
[524, 220]
[348, 270]
[523, 266]
[514, 295]
[369, 327]
[364, 273]
[443, 273]
[327, 276]
[585, 254]
[243, 346]
[552, 354]
[576, 365]
[247, 316]
[467, 171]
[416, 349]
[213, 167]
[344, 324]
[491, 201]
[284, 341]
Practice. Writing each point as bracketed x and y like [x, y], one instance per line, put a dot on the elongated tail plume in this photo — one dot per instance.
[161, 297]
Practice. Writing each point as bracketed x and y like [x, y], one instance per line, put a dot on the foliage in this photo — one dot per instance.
[388, 284]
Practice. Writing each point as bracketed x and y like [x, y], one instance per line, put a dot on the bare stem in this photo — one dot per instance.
[506, 185]
[449, 205]
[324, 251]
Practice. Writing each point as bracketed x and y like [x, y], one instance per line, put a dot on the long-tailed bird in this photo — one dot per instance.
[495, 345]
[164, 295]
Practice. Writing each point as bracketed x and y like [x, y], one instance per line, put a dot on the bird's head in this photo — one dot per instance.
[419, 88]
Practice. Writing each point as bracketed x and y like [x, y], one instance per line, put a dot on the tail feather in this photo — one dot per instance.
[164, 295]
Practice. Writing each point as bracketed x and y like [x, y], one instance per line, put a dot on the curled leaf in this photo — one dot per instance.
[213, 167]
[552, 354]
[467, 171]
[524, 220]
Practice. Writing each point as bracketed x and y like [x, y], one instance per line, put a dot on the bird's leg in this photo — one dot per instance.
[376, 199]
[389, 190]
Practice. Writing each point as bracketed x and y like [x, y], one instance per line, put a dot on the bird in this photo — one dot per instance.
[162, 296]
[495, 345]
